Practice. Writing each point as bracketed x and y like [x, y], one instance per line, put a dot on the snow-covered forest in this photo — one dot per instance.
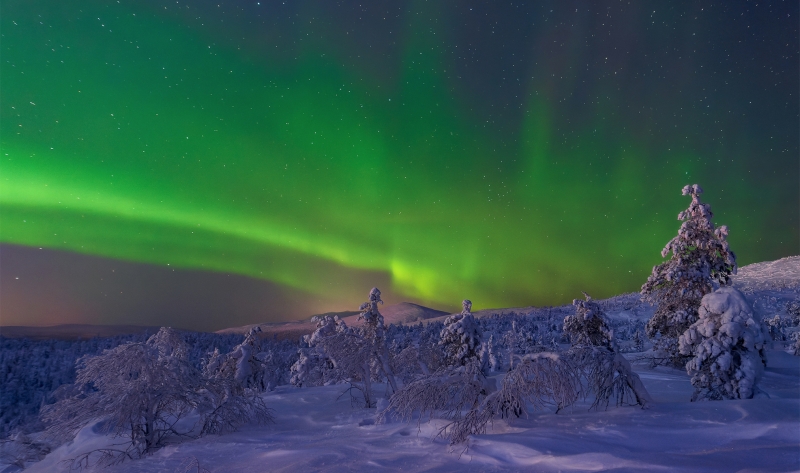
[598, 384]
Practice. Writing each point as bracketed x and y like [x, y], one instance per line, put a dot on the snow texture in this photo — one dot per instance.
[317, 430]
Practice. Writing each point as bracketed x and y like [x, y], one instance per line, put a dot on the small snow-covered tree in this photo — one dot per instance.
[311, 366]
[588, 326]
[141, 389]
[356, 355]
[450, 393]
[316, 365]
[461, 337]
[374, 335]
[726, 345]
[242, 365]
[638, 341]
[701, 261]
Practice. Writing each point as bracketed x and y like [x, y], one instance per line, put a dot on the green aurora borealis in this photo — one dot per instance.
[511, 155]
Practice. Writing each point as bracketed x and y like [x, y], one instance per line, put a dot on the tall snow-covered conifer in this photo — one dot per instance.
[374, 333]
[701, 261]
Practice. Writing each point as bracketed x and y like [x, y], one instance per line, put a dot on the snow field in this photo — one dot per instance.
[317, 430]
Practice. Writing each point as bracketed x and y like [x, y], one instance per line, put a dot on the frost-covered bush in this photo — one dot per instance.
[470, 401]
[146, 393]
[461, 337]
[32, 371]
[606, 375]
[701, 261]
[595, 360]
[539, 380]
[450, 393]
[726, 344]
[588, 326]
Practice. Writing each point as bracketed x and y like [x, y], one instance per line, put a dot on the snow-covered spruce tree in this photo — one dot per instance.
[726, 345]
[461, 336]
[701, 261]
[143, 392]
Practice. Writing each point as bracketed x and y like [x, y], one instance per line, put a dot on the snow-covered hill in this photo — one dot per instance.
[320, 429]
[72, 331]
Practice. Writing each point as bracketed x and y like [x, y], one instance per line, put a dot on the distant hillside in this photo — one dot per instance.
[72, 331]
[779, 274]
[402, 313]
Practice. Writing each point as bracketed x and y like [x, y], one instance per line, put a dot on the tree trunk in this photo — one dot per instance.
[634, 382]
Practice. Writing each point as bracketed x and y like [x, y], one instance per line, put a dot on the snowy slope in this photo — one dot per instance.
[318, 430]
[769, 275]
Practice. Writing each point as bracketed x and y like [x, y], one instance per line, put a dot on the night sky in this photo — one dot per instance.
[208, 164]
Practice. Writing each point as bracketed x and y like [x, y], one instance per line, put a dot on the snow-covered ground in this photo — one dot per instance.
[318, 430]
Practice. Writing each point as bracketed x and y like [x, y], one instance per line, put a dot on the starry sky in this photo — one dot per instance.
[208, 164]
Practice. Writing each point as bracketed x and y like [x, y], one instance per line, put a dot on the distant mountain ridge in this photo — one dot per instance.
[783, 273]
[72, 331]
[402, 313]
